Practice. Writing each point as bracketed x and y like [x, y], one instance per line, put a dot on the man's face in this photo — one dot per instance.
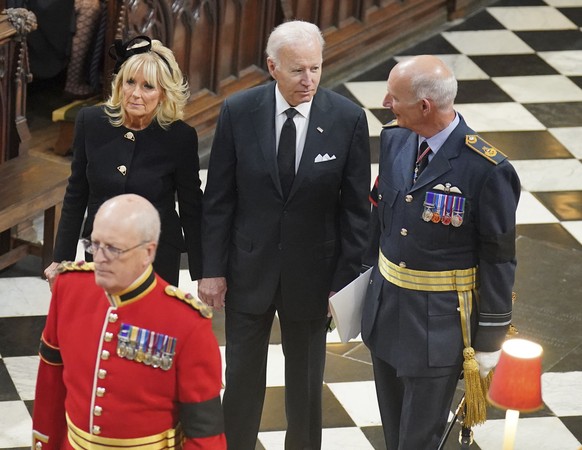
[298, 73]
[399, 99]
[115, 273]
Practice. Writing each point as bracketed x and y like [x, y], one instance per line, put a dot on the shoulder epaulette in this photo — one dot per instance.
[391, 124]
[196, 303]
[75, 266]
[484, 148]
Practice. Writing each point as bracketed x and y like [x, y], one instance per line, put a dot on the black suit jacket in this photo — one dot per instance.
[313, 242]
[158, 164]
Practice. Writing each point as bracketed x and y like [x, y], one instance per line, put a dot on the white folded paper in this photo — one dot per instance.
[346, 307]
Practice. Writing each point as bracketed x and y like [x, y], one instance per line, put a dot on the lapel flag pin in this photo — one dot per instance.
[320, 129]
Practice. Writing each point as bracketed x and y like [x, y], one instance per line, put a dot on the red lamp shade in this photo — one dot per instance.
[516, 381]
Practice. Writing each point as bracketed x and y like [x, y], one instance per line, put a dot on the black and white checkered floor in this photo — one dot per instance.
[519, 65]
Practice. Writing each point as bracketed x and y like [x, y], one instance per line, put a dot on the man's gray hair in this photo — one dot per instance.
[292, 33]
[442, 90]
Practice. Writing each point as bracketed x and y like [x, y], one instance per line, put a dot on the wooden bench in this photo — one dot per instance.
[65, 117]
[31, 185]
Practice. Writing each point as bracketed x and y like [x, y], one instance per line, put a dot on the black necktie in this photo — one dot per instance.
[421, 159]
[286, 152]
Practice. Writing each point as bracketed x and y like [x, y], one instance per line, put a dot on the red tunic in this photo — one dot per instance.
[110, 396]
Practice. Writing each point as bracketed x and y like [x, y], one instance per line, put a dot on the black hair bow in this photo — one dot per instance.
[121, 51]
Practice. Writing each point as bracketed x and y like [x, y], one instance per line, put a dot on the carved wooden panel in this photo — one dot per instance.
[220, 43]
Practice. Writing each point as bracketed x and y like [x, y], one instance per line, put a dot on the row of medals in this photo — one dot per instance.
[443, 208]
[147, 347]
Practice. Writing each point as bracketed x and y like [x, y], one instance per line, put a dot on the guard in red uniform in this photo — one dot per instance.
[126, 359]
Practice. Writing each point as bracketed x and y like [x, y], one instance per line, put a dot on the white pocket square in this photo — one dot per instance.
[319, 158]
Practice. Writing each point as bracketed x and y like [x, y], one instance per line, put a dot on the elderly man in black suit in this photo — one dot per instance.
[284, 222]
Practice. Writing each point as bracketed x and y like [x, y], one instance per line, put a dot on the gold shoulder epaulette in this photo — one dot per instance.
[484, 148]
[391, 124]
[75, 266]
[196, 303]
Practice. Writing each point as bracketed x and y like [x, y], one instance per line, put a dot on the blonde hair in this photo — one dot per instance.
[160, 69]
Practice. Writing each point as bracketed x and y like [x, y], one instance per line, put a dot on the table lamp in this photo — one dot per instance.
[516, 385]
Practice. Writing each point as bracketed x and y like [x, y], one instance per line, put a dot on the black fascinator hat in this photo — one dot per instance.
[121, 51]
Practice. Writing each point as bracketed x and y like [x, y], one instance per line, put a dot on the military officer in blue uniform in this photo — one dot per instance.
[444, 211]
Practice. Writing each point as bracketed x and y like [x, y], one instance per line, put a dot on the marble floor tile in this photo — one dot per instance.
[550, 175]
[374, 125]
[480, 91]
[23, 370]
[15, 425]
[487, 42]
[351, 395]
[559, 392]
[527, 144]
[436, 45]
[20, 336]
[513, 65]
[571, 138]
[276, 366]
[549, 433]
[370, 94]
[555, 233]
[8, 391]
[344, 368]
[378, 72]
[565, 205]
[540, 88]
[531, 210]
[521, 18]
[563, 3]
[552, 40]
[24, 296]
[574, 425]
[498, 117]
[566, 62]
[384, 115]
[332, 439]
[556, 115]
[481, 20]
[575, 229]
[462, 66]
[573, 13]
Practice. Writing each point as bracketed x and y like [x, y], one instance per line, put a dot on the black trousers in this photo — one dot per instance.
[247, 344]
[414, 410]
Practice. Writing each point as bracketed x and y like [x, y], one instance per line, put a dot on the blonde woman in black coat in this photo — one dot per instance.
[137, 143]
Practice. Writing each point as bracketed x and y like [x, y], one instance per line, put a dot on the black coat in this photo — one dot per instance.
[158, 164]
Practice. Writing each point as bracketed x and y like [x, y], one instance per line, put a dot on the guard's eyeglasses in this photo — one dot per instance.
[109, 251]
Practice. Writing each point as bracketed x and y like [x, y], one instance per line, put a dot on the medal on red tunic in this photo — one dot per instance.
[148, 355]
[168, 354]
[122, 340]
[132, 345]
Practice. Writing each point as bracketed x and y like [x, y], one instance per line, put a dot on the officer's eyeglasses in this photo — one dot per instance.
[109, 251]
